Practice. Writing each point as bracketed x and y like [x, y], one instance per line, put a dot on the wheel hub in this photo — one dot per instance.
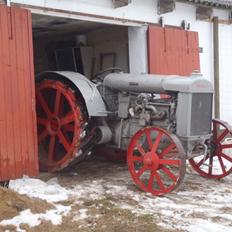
[151, 160]
[53, 125]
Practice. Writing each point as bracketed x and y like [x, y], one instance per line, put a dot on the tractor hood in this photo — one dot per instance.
[148, 83]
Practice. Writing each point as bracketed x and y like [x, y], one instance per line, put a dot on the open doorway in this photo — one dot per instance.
[81, 46]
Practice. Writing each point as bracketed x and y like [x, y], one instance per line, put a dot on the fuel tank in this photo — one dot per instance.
[149, 83]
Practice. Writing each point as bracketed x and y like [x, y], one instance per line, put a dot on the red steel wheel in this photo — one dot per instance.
[60, 121]
[156, 160]
[218, 161]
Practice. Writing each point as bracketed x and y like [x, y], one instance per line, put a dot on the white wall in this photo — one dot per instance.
[226, 72]
[145, 11]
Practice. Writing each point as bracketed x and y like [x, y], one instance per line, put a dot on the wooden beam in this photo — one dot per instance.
[216, 68]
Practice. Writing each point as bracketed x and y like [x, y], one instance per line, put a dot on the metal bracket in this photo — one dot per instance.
[204, 13]
[120, 3]
[165, 6]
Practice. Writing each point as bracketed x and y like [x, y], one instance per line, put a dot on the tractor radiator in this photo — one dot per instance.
[194, 114]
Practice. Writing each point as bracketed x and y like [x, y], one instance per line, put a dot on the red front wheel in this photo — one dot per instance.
[218, 162]
[156, 160]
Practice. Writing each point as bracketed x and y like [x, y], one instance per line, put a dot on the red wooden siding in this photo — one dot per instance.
[172, 51]
[18, 137]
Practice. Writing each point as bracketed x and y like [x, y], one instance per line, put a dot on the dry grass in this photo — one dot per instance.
[103, 216]
[12, 203]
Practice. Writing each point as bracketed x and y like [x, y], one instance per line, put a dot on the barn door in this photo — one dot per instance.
[172, 51]
[18, 137]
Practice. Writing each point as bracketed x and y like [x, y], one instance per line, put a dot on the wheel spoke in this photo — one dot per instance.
[203, 160]
[157, 142]
[57, 102]
[138, 159]
[51, 148]
[42, 121]
[170, 162]
[159, 181]
[210, 165]
[43, 135]
[151, 180]
[140, 149]
[169, 173]
[167, 150]
[221, 164]
[226, 157]
[63, 141]
[226, 146]
[148, 136]
[43, 104]
[67, 119]
[141, 171]
[215, 130]
[222, 135]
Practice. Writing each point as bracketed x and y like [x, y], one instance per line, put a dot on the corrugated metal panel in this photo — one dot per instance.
[172, 51]
[214, 3]
[18, 137]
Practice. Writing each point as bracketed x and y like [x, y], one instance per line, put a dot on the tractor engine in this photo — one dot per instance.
[131, 112]
[181, 106]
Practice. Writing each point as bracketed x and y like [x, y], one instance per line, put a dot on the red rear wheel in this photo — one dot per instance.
[156, 160]
[60, 122]
[218, 162]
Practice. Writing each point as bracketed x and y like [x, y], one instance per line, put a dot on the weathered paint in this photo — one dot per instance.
[172, 51]
[18, 137]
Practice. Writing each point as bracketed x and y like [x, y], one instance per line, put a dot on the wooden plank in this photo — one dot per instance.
[18, 145]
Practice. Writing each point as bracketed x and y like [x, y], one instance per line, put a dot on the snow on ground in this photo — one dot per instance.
[199, 205]
[50, 191]
[27, 217]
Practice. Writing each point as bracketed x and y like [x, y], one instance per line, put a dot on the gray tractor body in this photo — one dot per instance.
[194, 99]
[124, 103]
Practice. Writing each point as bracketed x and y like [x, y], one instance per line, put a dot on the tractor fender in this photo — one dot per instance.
[93, 100]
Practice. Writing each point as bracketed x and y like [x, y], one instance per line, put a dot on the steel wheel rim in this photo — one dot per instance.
[158, 162]
[61, 124]
[219, 157]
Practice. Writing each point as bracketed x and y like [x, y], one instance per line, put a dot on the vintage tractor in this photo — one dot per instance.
[124, 112]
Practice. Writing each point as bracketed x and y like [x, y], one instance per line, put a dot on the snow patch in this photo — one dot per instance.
[50, 191]
[82, 214]
[27, 217]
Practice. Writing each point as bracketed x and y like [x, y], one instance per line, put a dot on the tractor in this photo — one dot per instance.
[159, 121]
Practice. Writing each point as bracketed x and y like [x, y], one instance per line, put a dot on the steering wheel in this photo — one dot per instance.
[99, 77]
